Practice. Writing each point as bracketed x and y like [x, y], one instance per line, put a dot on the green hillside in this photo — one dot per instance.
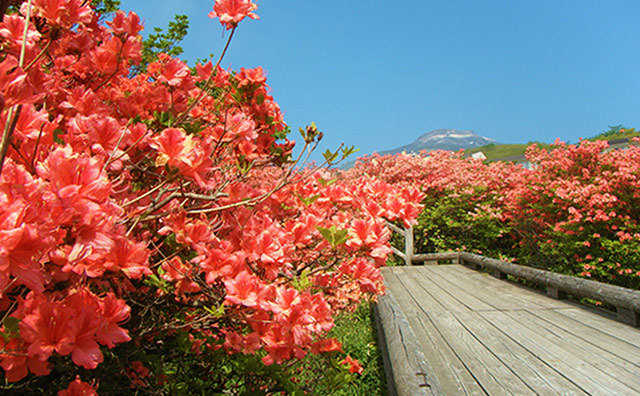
[499, 151]
[617, 132]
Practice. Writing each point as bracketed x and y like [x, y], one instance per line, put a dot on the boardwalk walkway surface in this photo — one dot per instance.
[455, 331]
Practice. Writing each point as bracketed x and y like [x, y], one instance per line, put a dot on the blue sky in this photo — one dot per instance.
[377, 74]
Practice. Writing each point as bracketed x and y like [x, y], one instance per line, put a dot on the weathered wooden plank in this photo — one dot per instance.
[517, 290]
[604, 361]
[424, 290]
[491, 292]
[501, 294]
[600, 340]
[479, 360]
[627, 299]
[622, 370]
[512, 291]
[492, 374]
[533, 371]
[408, 372]
[430, 279]
[452, 376]
[603, 321]
[560, 354]
[552, 347]
[628, 316]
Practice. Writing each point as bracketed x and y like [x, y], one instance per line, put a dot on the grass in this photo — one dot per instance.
[620, 135]
[357, 333]
[499, 151]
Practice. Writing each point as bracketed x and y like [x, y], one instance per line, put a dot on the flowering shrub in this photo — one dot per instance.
[154, 225]
[578, 211]
[463, 202]
[575, 212]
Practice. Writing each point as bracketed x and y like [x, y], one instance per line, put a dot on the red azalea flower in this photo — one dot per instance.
[354, 365]
[231, 12]
[78, 388]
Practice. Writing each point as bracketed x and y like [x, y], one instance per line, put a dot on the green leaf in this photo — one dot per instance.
[193, 128]
[217, 312]
[307, 201]
[330, 156]
[347, 151]
[105, 6]
[326, 183]
[334, 236]
[282, 134]
[160, 42]
[56, 136]
[286, 207]
[302, 282]
[11, 324]
[184, 344]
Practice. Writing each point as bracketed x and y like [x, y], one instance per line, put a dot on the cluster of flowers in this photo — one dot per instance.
[170, 191]
[575, 211]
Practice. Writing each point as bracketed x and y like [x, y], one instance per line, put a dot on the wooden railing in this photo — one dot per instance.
[407, 233]
[626, 301]
[410, 257]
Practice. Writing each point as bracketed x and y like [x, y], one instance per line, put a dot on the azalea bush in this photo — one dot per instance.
[157, 233]
[464, 198]
[575, 212]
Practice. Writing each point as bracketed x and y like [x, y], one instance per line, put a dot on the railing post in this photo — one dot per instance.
[408, 245]
[556, 293]
[628, 316]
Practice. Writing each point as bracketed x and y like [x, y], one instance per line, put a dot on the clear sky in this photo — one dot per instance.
[377, 74]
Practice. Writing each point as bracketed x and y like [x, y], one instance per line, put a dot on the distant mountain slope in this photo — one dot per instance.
[440, 139]
[495, 152]
[443, 139]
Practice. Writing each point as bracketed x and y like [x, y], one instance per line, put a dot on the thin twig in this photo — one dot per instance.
[37, 58]
[206, 84]
[11, 124]
[124, 130]
[144, 195]
[9, 127]
[35, 150]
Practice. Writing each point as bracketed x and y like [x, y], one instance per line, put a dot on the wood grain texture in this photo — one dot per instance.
[485, 336]
[626, 300]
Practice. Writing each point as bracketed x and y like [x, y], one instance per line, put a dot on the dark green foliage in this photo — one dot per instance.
[616, 132]
[612, 131]
[175, 370]
[356, 331]
[163, 42]
[456, 222]
[499, 151]
[105, 6]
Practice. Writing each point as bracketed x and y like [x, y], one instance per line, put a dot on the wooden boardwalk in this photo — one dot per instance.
[455, 331]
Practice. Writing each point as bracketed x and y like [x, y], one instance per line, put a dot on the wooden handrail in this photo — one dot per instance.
[395, 228]
[410, 257]
[626, 301]
[407, 233]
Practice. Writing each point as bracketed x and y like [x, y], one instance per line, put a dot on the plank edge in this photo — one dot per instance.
[407, 371]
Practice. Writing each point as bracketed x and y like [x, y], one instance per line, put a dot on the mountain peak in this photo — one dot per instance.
[443, 139]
